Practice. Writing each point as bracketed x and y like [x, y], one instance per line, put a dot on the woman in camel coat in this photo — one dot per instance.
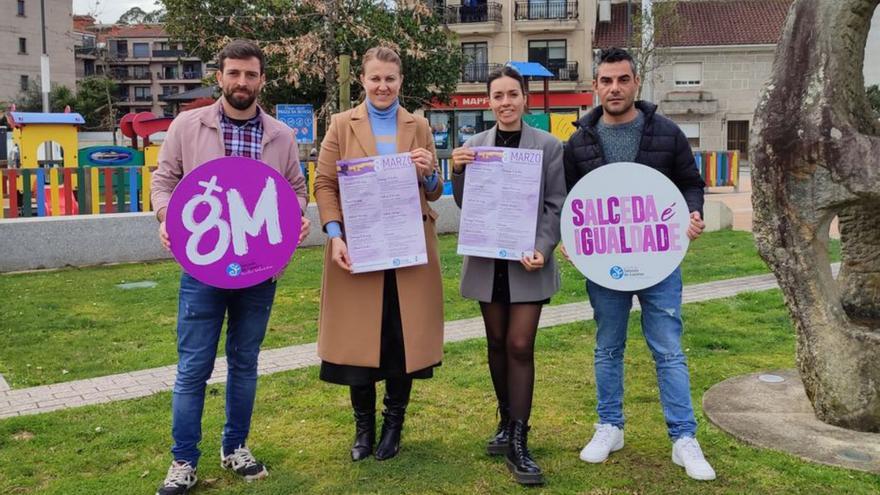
[383, 325]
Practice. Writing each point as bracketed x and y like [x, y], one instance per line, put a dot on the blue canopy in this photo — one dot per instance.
[530, 69]
[22, 118]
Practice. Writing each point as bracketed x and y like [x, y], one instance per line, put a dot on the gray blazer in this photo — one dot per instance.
[477, 273]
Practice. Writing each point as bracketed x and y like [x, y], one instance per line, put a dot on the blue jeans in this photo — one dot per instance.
[661, 326]
[201, 311]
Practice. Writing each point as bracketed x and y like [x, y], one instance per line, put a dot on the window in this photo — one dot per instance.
[688, 74]
[551, 54]
[738, 137]
[476, 67]
[140, 50]
[169, 72]
[21, 8]
[142, 93]
[141, 72]
[22, 45]
[440, 124]
[89, 67]
[468, 123]
[23, 83]
[121, 48]
[692, 132]
[170, 90]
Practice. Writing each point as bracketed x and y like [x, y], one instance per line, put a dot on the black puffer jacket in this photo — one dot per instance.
[663, 147]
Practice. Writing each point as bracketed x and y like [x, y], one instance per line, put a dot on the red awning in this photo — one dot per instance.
[536, 100]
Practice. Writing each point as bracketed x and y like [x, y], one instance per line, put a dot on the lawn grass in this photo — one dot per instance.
[75, 323]
[303, 428]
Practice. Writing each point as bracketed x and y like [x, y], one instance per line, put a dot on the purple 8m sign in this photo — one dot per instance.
[233, 222]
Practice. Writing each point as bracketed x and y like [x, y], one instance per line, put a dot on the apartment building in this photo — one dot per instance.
[21, 45]
[555, 33]
[711, 73]
[147, 65]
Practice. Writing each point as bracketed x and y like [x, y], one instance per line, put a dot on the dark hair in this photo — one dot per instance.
[505, 71]
[241, 50]
[382, 54]
[613, 55]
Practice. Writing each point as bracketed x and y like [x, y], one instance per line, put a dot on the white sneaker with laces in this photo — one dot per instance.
[607, 439]
[243, 463]
[686, 452]
[180, 478]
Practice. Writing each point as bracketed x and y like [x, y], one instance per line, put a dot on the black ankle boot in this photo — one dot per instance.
[519, 460]
[363, 401]
[497, 445]
[396, 399]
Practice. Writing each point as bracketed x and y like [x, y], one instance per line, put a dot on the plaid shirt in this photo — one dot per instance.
[246, 140]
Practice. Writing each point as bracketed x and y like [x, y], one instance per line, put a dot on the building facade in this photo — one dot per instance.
[711, 71]
[21, 45]
[555, 33]
[146, 64]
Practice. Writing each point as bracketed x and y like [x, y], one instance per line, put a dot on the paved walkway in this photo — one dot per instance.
[36, 400]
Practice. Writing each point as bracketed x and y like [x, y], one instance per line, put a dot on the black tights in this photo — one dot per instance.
[510, 332]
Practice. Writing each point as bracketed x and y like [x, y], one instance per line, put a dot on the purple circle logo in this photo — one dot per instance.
[233, 222]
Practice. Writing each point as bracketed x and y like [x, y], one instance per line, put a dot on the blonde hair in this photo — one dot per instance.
[382, 54]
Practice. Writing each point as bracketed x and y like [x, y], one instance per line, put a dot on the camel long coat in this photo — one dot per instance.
[349, 325]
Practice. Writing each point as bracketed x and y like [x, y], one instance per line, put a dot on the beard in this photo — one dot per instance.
[622, 111]
[239, 102]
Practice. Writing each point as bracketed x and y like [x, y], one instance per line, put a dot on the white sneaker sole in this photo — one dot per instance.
[254, 477]
[595, 460]
[692, 475]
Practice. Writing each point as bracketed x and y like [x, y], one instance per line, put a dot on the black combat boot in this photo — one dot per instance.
[519, 460]
[497, 445]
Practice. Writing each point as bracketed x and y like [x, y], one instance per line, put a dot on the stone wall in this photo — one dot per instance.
[59, 45]
[731, 76]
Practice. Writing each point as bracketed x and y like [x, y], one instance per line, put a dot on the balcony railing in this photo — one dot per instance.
[542, 10]
[129, 76]
[85, 50]
[458, 14]
[564, 72]
[169, 53]
[477, 72]
[143, 98]
[187, 75]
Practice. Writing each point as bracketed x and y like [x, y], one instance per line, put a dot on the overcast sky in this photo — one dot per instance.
[108, 11]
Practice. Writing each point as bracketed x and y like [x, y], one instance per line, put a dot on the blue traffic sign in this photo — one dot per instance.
[300, 118]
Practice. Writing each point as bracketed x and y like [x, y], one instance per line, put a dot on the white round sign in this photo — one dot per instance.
[624, 226]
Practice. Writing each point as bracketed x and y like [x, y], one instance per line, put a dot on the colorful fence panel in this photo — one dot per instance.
[74, 191]
[718, 168]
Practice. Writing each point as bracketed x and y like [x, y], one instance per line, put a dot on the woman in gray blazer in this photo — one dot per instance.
[512, 293]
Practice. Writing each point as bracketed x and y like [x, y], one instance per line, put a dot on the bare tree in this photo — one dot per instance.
[653, 52]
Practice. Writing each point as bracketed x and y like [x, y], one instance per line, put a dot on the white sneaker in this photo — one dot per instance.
[243, 463]
[607, 439]
[180, 478]
[686, 452]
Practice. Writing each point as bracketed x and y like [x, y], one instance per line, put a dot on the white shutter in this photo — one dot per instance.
[688, 74]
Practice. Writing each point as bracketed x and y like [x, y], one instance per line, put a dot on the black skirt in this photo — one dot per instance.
[392, 357]
[501, 286]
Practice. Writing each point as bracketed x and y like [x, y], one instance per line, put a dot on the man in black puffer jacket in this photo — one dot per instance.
[623, 130]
